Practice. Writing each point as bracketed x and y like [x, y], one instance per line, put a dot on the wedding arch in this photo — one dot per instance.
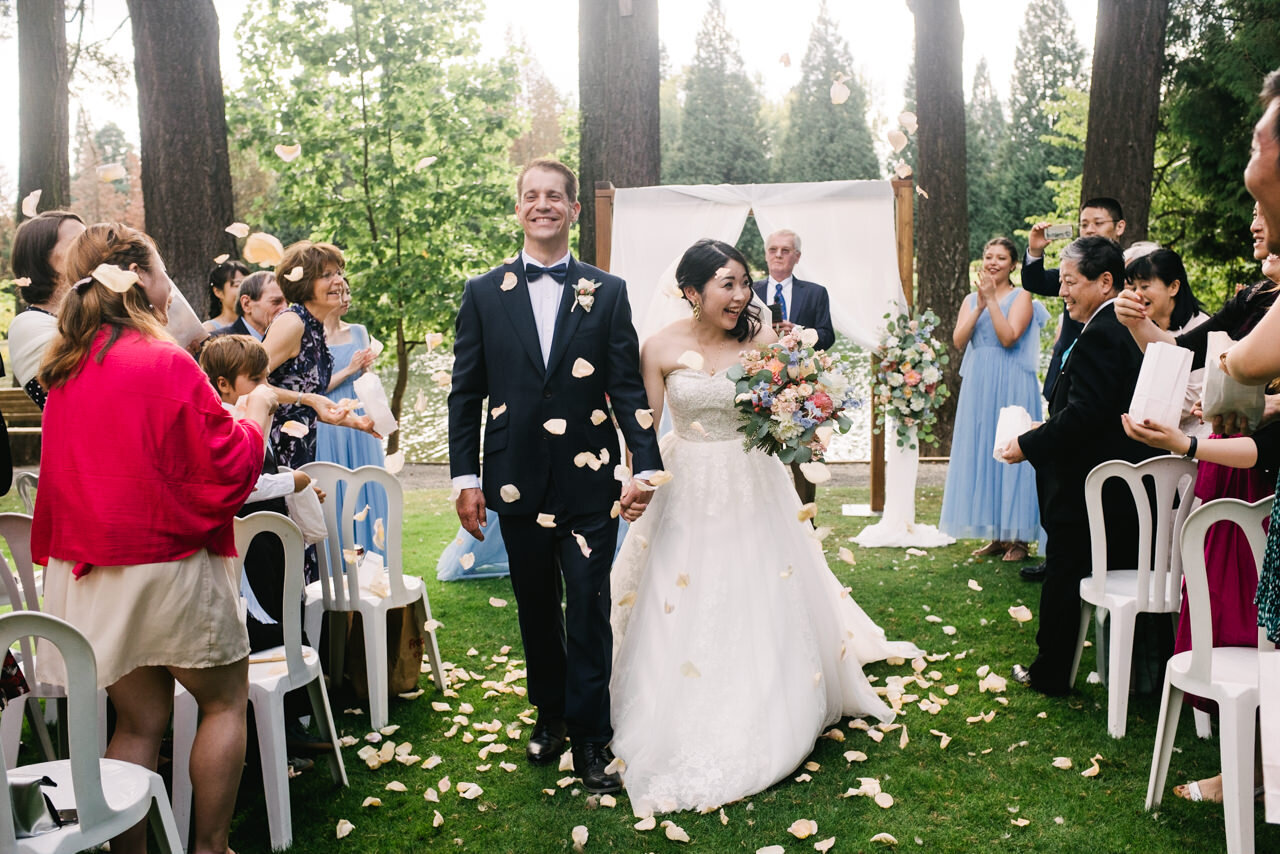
[857, 241]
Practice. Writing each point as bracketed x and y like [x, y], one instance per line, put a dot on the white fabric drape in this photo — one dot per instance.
[898, 527]
[847, 243]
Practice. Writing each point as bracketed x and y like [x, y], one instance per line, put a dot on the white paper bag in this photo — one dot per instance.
[306, 512]
[371, 393]
[1222, 394]
[1014, 421]
[183, 324]
[1162, 385]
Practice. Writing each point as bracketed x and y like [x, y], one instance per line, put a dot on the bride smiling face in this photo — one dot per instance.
[713, 277]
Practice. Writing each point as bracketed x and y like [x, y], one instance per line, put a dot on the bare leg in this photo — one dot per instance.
[143, 700]
[217, 754]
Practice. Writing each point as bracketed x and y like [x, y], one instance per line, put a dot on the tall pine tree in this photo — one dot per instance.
[826, 141]
[1048, 58]
[986, 129]
[721, 139]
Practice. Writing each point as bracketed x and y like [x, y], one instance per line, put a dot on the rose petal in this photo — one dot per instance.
[509, 281]
[344, 827]
[109, 172]
[658, 478]
[296, 429]
[497, 410]
[379, 534]
[616, 510]
[221, 259]
[1063, 762]
[902, 170]
[598, 417]
[497, 603]
[555, 426]
[676, 833]
[509, 492]
[1021, 613]
[288, 153]
[263, 249]
[646, 823]
[114, 278]
[689, 670]
[897, 139]
[644, 417]
[394, 463]
[436, 818]
[691, 359]
[425, 162]
[582, 368]
[582, 544]
[468, 560]
[815, 472]
[884, 800]
[975, 586]
[803, 828]
[31, 204]
[294, 275]
[371, 802]
[825, 845]
[807, 512]
[908, 121]
[839, 93]
[546, 520]
[237, 229]
[885, 839]
[579, 836]
[847, 556]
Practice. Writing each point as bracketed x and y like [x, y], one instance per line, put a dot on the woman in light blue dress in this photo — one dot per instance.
[349, 346]
[999, 330]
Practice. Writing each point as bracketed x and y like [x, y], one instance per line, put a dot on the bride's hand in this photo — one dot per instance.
[635, 499]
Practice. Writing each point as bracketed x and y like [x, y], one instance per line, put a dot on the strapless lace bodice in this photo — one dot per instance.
[701, 406]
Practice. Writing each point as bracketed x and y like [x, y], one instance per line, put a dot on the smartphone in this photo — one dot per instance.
[1058, 232]
[776, 311]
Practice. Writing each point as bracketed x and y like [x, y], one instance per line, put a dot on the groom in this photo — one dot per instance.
[549, 341]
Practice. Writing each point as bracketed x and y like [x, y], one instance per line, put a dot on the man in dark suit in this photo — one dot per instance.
[1099, 217]
[1083, 429]
[798, 303]
[549, 341]
[259, 302]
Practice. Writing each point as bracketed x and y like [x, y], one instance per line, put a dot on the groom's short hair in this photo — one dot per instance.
[551, 165]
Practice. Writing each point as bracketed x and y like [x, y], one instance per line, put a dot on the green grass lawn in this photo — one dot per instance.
[961, 798]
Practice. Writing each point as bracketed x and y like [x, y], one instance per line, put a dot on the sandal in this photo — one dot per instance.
[1192, 792]
[1016, 553]
[991, 548]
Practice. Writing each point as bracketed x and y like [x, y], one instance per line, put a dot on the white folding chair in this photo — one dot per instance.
[1155, 586]
[1227, 675]
[272, 674]
[25, 482]
[340, 587]
[108, 795]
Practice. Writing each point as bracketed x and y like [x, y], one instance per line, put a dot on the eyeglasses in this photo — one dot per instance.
[336, 274]
[1097, 223]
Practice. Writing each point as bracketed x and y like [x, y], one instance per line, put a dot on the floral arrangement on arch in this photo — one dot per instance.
[908, 384]
[792, 397]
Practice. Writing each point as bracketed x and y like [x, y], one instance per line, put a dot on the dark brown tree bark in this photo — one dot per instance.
[1124, 102]
[942, 231]
[618, 83]
[186, 172]
[43, 162]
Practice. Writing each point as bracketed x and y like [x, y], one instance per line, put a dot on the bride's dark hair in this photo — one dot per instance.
[698, 266]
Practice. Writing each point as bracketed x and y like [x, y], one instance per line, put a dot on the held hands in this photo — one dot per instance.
[635, 499]
[471, 512]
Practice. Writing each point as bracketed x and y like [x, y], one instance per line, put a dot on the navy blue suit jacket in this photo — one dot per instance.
[497, 355]
[1045, 283]
[810, 307]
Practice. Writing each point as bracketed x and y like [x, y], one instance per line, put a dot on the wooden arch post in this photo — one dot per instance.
[904, 228]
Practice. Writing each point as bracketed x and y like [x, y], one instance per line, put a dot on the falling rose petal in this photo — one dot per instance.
[237, 229]
[114, 278]
[394, 463]
[579, 836]
[497, 603]
[897, 139]
[364, 511]
[509, 281]
[644, 417]
[425, 162]
[885, 839]
[288, 153]
[31, 204]
[555, 426]
[803, 828]
[975, 586]
[908, 121]
[658, 478]
[785, 59]
[682, 580]
[294, 275]
[815, 473]
[221, 259]
[902, 170]
[467, 561]
[379, 534]
[622, 474]
[646, 823]
[839, 93]
[691, 359]
[263, 249]
[615, 766]
[434, 340]
[847, 556]
[344, 827]
[296, 429]
[497, 410]
[509, 492]
[598, 417]
[1021, 613]
[582, 544]
[109, 172]
[582, 368]
[1063, 762]
[689, 670]
[807, 512]
[920, 191]
[616, 510]
[586, 458]
[546, 520]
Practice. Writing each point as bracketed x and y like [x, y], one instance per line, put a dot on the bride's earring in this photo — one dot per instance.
[697, 311]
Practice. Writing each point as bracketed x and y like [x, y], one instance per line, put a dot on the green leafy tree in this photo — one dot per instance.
[405, 146]
[721, 139]
[985, 131]
[1048, 58]
[826, 141]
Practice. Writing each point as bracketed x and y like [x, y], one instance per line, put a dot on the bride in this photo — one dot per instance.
[735, 646]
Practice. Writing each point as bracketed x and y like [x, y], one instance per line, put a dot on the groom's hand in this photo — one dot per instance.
[471, 512]
[635, 499]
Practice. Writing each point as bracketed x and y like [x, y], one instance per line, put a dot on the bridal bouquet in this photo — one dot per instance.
[792, 397]
[908, 384]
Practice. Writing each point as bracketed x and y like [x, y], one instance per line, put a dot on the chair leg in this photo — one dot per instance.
[1166, 730]
[268, 713]
[312, 618]
[1236, 734]
[324, 722]
[11, 732]
[1101, 642]
[375, 658]
[1120, 662]
[422, 610]
[185, 718]
[1204, 724]
[162, 821]
[1086, 613]
[337, 652]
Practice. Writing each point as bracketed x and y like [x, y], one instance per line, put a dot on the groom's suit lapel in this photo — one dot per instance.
[567, 318]
[519, 310]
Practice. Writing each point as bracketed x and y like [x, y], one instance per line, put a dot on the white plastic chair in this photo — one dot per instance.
[272, 674]
[1227, 675]
[340, 587]
[25, 482]
[109, 796]
[1155, 586]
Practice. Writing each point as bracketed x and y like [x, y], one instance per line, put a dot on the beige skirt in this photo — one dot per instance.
[180, 613]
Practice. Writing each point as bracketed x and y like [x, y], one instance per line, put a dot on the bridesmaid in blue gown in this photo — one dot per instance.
[348, 345]
[999, 331]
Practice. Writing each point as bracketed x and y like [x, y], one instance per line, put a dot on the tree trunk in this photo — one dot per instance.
[403, 349]
[42, 104]
[618, 82]
[1124, 102]
[186, 172]
[942, 232]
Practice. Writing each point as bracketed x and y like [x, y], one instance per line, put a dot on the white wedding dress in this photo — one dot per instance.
[735, 646]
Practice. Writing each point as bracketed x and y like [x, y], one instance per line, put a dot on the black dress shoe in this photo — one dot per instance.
[1021, 675]
[590, 759]
[547, 741]
[1034, 573]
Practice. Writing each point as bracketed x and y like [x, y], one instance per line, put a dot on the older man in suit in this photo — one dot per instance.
[1096, 383]
[794, 303]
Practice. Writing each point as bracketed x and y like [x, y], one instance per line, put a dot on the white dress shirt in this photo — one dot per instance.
[771, 291]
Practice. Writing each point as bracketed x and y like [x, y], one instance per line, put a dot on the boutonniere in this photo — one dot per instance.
[584, 294]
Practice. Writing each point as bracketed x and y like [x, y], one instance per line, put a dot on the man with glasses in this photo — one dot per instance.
[1099, 217]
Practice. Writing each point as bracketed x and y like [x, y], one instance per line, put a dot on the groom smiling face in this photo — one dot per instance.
[546, 209]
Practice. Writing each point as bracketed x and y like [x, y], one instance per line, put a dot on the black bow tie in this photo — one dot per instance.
[558, 272]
